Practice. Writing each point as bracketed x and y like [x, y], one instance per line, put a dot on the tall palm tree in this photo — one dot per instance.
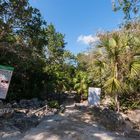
[122, 63]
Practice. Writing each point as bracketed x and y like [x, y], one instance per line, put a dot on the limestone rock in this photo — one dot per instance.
[1, 104]
[26, 123]
[6, 112]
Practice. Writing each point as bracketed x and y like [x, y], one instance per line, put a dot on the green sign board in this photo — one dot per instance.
[5, 78]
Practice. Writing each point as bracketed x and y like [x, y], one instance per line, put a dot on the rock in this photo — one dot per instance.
[15, 105]
[32, 104]
[24, 103]
[111, 119]
[10, 135]
[133, 134]
[20, 116]
[36, 103]
[134, 115]
[54, 110]
[26, 123]
[6, 113]
[127, 128]
[108, 118]
[21, 111]
[1, 104]
[45, 102]
[62, 109]
[8, 105]
[69, 100]
[106, 102]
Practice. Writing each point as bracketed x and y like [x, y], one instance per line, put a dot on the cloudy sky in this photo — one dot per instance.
[79, 20]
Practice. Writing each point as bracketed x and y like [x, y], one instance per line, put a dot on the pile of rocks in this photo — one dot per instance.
[113, 121]
[106, 117]
[132, 119]
[18, 117]
[134, 116]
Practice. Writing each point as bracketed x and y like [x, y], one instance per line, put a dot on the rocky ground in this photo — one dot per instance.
[17, 118]
[34, 120]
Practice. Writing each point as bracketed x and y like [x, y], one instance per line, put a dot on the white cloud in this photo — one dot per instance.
[88, 40]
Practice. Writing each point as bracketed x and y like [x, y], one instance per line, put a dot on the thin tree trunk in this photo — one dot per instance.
[101, 77]
[116, 94]
[117, 103]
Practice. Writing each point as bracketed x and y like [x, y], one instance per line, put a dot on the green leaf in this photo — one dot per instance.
[135, 68]
[112, 85]
[137, 40]
[112, 42]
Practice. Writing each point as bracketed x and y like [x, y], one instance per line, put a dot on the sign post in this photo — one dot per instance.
[94, 96]
[5, 78]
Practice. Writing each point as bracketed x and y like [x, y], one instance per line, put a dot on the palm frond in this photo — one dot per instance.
[134, 68]
[112, 42]
[112, 85]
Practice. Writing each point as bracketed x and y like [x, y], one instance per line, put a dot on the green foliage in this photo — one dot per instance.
[42, 65]
[81, 83]
[22, 41]
[134, 68]
[53, 104]
[130, 101]
[35, 50]
[112, 85]
[114, 64]
[127, 6]
[59, 62]
[112, 42]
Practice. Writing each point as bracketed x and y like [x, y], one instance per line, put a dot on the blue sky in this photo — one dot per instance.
[79, 20]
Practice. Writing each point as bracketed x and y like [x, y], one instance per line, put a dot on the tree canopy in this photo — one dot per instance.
[129, 7]
[36, 50]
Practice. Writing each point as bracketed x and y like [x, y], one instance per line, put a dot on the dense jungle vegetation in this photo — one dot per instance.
[43, 66]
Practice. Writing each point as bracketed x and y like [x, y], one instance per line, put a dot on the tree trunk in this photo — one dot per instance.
[116, 94]
[101, 77]
[117, 103]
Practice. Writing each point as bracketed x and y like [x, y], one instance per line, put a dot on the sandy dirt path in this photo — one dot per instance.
[72, 125]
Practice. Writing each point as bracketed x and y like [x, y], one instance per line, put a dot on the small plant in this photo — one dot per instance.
[53, 104]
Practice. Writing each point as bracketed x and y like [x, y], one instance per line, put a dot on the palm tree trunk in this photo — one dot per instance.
[116, 94]
[117, 103]
[101, 77]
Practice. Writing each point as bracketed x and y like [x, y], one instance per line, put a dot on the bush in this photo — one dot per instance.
[53, 104]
